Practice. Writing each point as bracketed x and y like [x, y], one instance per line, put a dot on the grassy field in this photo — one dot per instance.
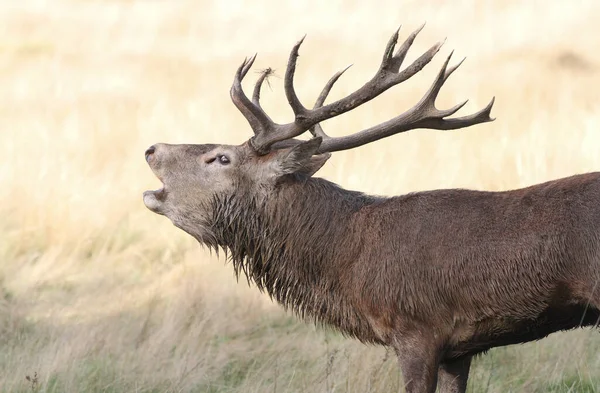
[97, 294]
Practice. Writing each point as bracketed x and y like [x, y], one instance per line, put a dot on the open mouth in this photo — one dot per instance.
[160, 193]
[153, 199]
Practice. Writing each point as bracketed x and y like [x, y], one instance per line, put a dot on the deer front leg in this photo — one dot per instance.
[453, 375]
[419, 361]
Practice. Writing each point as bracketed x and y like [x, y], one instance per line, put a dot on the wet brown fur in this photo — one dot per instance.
[483, 268]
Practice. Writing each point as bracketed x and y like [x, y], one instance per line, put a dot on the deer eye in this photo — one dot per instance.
[223, 159]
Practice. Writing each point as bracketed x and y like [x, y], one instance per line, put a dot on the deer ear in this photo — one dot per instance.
[300, 159]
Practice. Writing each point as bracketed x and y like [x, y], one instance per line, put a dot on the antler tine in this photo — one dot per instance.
[325, 92]
[246, 65]
[316, 130]
[400, 54]
[427, 104]
[481, 116]
[290, 93]
[256, 117]
[389, 49]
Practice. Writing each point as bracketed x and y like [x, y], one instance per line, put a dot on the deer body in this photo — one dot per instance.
[439, 275]
[442, 259]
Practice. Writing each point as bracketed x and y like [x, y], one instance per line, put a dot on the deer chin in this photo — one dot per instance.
[154, 199]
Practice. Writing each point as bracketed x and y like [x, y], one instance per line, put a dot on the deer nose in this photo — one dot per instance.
[149, 152]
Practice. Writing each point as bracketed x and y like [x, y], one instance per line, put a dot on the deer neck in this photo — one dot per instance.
[298, 246]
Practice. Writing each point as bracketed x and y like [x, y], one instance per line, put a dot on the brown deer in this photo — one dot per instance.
[439, 276]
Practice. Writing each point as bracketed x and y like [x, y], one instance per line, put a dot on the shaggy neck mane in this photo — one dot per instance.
[286, 244]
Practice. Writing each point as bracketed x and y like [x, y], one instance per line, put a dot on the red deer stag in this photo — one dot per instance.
[439, 276]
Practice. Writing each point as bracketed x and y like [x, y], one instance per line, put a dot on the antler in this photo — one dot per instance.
[423, 115]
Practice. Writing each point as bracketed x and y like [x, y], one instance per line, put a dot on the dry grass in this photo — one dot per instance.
[99, 294]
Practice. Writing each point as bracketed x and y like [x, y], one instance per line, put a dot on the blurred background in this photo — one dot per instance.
[98, 294]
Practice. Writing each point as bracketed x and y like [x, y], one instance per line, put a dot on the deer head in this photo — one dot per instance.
[198, 179]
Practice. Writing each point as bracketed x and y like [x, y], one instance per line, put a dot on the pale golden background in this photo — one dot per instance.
[97, 294]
